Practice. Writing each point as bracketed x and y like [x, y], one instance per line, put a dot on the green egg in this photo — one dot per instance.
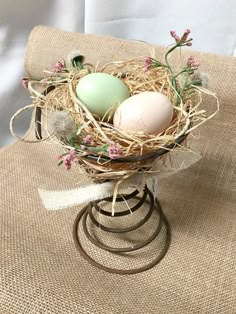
[100, 91]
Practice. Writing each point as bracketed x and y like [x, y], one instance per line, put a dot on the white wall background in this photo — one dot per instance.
[212, 22]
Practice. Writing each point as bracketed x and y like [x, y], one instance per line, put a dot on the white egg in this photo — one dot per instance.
[147, 112]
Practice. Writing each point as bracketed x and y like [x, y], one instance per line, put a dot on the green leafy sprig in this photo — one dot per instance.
[186, 71]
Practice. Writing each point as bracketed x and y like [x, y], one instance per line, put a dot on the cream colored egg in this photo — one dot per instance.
[147, 112]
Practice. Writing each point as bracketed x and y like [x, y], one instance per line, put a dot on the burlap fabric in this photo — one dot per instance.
[41, 271]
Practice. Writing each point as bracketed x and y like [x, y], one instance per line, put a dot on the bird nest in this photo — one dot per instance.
[102, 150]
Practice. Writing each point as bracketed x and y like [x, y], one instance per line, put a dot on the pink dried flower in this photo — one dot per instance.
[69, 158]
[184, 38]
[88, 139]
[175, 36]
[59, 66]
[185, 35]
[25, 82]
[147, 63]
[114, 150]
[67, 163]
[192, 63]
[72, 153]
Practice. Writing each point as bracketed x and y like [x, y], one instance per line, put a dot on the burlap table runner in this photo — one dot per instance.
[41, 271]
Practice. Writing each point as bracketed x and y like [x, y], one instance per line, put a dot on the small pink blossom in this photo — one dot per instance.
[88, 139]
[189, 43]
[59, 66]
[185, 35]
[147, 63]
[70, 158]
[58, 157]
[25, 82]
[72, 153]
[67, 163]
[192, 63]
[175, 36]
[114, 150]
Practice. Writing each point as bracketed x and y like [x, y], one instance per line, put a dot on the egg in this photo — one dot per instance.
[99, 92]
[147, 112]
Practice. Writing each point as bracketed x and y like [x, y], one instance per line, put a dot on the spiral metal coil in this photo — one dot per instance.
[93, 209]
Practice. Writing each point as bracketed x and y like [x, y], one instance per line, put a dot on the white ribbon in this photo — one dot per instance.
[54, 200]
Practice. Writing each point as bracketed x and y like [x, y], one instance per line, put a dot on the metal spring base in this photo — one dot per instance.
[87, 211]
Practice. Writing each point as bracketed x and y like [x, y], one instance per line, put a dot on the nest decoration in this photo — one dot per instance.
[103, 151]
[113, 156]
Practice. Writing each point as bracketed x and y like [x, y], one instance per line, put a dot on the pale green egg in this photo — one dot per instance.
[100, 91]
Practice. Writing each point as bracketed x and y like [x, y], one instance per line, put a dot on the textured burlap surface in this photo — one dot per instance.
[40, 269]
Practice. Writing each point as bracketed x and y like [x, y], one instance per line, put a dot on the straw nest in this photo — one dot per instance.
[188, 115]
